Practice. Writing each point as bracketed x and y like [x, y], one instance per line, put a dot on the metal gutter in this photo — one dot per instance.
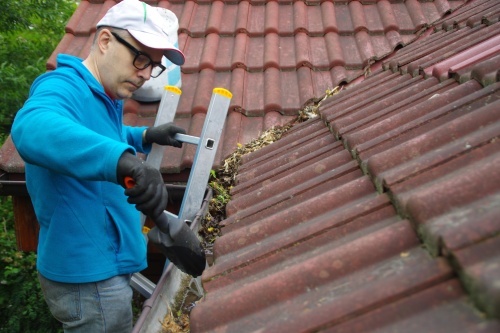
[168, 287]
[8, 186]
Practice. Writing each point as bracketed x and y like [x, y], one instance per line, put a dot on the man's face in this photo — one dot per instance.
[119, 76]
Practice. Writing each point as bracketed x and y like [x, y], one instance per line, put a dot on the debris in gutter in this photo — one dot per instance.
[172, 324]
[222, 180]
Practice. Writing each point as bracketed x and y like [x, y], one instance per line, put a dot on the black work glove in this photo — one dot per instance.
[164, 135]
[149, 194]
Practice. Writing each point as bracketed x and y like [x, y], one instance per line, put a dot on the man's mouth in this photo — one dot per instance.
[135, 85]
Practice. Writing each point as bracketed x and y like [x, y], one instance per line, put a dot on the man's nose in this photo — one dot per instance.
[145, 73]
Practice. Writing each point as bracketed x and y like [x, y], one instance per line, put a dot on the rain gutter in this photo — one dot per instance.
[157, 306]
[12, 187]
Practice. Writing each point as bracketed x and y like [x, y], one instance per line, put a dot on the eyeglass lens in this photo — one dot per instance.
[142, 61]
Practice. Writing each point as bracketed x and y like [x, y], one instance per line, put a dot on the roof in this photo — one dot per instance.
[382, 214]
[274, 56]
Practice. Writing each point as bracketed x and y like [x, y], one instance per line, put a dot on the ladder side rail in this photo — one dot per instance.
[166, 113]
[205, 153]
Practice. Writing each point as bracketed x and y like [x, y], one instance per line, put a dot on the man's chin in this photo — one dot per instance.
[126, 94]
[128, 91]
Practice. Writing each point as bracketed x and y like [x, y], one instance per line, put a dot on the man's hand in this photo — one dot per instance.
[149, 194]
[164, 135]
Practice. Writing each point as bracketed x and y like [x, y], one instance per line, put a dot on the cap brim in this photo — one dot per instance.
[156, 42]
[175, 56]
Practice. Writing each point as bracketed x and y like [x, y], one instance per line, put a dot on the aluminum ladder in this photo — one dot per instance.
[204, 157]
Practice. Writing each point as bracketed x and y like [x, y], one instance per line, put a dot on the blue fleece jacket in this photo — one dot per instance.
[70, 135]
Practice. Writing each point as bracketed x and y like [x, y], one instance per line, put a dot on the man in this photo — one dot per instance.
[77, 154]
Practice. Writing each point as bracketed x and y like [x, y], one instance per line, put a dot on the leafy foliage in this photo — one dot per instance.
[29, 32]
[21, 299]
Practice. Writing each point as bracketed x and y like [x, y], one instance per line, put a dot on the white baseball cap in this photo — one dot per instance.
[144, 23]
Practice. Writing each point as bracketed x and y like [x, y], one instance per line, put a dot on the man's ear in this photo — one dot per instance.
[103, 40]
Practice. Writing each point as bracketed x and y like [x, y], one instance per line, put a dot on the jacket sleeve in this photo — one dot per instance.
[61, 128]
[134, 138]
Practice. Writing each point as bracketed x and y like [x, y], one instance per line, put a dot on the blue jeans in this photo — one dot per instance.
[104, 306]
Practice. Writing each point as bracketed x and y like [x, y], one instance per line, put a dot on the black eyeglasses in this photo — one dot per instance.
[142, 60]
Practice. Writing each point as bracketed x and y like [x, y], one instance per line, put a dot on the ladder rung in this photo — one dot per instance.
[142, 284]
[187, 138]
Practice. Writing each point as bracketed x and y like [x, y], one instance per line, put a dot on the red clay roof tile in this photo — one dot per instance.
[479, 269]
[427, 311]
[476, 220]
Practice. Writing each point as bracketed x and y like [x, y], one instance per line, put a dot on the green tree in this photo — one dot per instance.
[29, 32]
